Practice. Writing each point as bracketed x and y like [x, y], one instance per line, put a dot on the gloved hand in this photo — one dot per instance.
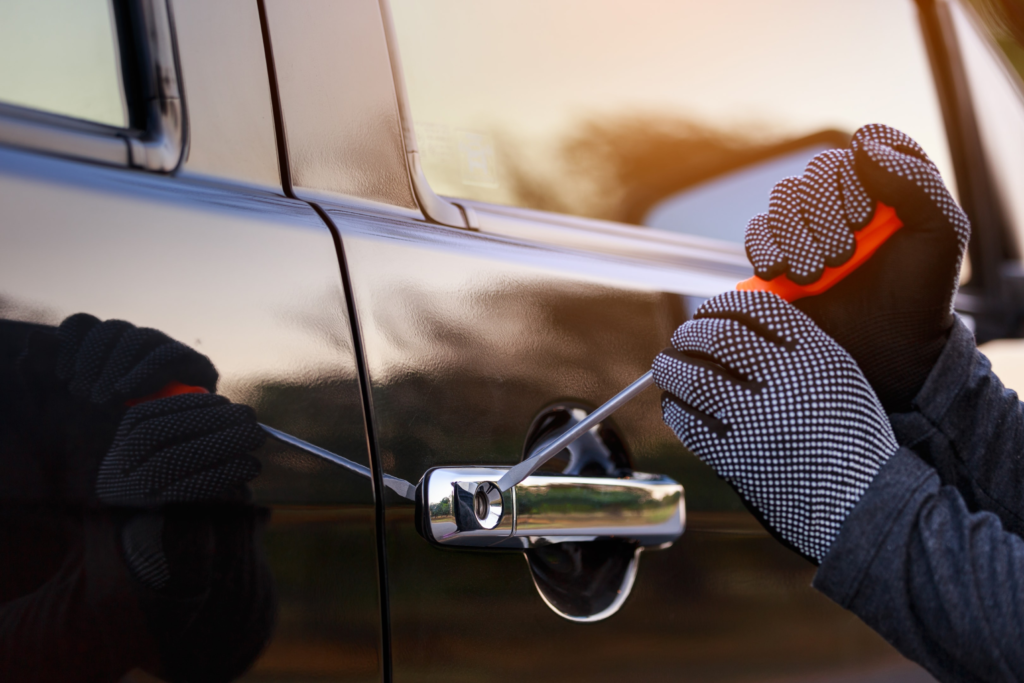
[894, 313]
[108, 363]
[758, 392]
[188, 448]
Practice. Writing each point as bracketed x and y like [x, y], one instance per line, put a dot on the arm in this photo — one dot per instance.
[944, 585]
[970, 428]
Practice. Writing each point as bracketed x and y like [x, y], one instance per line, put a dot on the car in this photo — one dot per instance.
[421, 240]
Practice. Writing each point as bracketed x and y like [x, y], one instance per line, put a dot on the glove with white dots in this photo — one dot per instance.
[779, 410]
[893, 313]
[113, 361]
[181, 449]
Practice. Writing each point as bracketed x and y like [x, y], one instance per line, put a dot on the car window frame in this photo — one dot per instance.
[156, 138]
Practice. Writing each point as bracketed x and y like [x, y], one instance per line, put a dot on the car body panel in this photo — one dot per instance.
[250, 279]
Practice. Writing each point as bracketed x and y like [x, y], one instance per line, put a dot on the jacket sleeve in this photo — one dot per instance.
[942, 584]
[970, 428]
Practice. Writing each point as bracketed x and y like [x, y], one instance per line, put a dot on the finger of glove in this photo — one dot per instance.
[821, 199]
[92, 357]
[72, 333]
[804, 256]
[149, 359]
[131, 346]
[762, 250]
[159, 468]
[214, 483]
[698, 431]
[701, 383]
[858, 205]
[156, 433]
[217, 481]
[163, 407]
[743, 354]
[767, 314]
[896, 171]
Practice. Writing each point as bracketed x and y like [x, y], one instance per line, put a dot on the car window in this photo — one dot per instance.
[553, 104]
[720, 207]
[999, 108]
[61, 57]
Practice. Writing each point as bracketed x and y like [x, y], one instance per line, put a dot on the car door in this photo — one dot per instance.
[143, 184]
[481, 325]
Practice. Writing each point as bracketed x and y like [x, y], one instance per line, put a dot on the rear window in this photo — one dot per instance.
[62, 57]
[616, 110]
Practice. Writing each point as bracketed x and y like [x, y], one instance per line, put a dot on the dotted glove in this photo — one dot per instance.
[894, 313]
[758, 392]
[188, 448]
[108, 363]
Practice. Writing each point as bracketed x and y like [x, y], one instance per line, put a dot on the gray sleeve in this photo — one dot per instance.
[970, 428]
[943, 584]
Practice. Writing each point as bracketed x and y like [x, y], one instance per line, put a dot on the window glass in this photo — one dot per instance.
[61, 56]
[607, 109]
[999, 109]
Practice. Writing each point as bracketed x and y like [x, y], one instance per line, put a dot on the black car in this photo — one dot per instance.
[419, 278]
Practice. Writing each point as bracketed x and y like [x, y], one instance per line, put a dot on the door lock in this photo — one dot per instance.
[463, 507]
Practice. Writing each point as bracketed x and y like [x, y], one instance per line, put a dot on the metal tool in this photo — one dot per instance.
[531, 464]
[514, 476]
[399, 486]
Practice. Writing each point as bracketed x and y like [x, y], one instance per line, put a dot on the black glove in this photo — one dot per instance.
[758, 392]
[894, 313]
[108, 363]
[188, 448]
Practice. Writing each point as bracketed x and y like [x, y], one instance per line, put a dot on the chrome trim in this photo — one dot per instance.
[160, 147]
[543, 509]
[434, 207]
[399, 486]
[472, 217]
[448, 494]
[624, 590]
[538, 458]
[62, 136]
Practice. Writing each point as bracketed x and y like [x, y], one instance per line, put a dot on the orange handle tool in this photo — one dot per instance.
[869, 238]
[172, 388]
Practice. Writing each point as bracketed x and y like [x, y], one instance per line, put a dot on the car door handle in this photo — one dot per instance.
[463, 507]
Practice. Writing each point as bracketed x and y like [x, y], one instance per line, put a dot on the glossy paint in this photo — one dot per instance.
[250, 279]
[224, 73]
[338, 103]
[468, 338]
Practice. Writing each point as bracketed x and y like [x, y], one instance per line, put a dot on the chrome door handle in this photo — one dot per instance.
[463, 507]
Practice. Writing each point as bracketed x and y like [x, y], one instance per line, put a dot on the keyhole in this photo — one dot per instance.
[481, 504]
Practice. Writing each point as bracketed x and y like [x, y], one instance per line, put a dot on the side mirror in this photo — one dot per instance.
[720, 208]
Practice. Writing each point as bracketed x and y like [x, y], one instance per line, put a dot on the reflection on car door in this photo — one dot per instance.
[216, 257]
[468, 337]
